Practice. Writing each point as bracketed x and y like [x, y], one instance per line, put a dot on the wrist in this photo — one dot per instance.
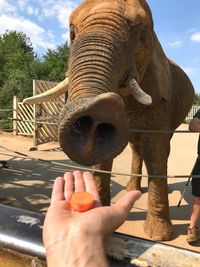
[77, 250]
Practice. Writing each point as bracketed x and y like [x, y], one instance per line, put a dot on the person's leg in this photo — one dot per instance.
[193, 233]
[195, 215]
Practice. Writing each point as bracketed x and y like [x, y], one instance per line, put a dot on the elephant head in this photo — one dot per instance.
[112, 45]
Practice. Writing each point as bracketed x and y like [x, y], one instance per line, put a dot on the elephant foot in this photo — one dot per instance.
[158, 230]
[133, 185]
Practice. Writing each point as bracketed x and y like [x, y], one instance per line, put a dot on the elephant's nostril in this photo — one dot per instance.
[83, 125]
[106, 131]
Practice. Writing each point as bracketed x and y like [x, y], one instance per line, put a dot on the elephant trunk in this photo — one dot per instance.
[93, 66]
[93, 125]
[93, 130]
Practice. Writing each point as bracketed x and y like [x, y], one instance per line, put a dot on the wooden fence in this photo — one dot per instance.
[38, 120]
[192, 112]
[23, 118]
[46, 113]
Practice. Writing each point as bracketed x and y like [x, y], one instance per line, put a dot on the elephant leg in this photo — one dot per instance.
[136, 167]
[158, 225]
[102, 181]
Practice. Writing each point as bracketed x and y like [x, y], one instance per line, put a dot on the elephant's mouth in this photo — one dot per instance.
[93, 130]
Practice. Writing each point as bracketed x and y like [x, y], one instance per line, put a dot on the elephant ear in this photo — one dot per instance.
[157, 78]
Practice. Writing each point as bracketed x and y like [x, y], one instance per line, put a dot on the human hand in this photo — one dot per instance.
[67, 233]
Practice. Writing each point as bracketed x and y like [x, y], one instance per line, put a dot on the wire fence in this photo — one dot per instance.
[130, 130]
[83, 168]
[5, 118]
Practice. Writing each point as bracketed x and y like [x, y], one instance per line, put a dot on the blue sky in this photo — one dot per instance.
[176, 22]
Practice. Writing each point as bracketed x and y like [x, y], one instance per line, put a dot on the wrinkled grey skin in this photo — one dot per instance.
[113, 42]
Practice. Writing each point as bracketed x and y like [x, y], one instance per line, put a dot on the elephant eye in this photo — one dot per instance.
[72, 33]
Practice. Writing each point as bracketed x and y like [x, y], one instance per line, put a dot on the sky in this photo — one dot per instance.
[45, 22]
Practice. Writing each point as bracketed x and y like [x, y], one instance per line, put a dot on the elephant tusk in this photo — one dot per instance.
[52, 93]
[138, 93]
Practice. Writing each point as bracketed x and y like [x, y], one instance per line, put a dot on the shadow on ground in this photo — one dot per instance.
[27, 183]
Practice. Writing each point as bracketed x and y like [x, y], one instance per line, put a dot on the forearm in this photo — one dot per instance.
[195, 125]
[77, 252]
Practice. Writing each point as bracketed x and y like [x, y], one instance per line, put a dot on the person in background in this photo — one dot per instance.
[193, 232]
[74, 239]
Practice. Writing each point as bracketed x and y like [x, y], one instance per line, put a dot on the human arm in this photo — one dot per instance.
[195, 124]
[77, 238]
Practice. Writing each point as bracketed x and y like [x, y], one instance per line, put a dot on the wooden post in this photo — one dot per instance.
[35, 128]
[15, 115]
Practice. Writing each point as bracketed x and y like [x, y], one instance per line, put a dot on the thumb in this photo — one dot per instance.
[126, 203]
[119, 211]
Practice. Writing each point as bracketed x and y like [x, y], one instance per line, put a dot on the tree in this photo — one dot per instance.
[16, 53]
[56, 62]
[19, 65]
[197, 100]
[39, 70]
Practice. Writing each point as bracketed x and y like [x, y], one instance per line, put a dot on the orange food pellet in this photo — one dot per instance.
[82, 201]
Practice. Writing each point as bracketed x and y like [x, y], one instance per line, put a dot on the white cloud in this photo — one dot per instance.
[50, 34]
[66, 37]
[22, 4]
[30, 10]
[175, 44]
[195, 37]
[59, 9]
[33, 18]
[63, 16]
[31, 29]
[6, 7]
[190, 71]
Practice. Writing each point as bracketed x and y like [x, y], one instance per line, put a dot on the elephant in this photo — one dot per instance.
[120, 79]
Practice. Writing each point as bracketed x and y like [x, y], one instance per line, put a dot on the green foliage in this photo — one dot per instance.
[19, 65]
[5, 123]
[197, 100]
[56, 62]
[16, 55]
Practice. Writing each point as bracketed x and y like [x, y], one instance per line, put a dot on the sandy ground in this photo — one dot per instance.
[27, 182]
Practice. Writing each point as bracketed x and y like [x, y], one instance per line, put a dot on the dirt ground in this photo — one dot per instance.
[27, 182]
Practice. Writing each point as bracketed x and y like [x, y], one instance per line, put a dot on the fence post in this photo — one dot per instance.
[35, 126]
[15, 114]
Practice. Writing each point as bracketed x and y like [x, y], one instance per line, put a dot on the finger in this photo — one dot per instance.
[127, 201]
[90, 185]
[117, 213]
[69, 185]
[58, 190]
[78, 181]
